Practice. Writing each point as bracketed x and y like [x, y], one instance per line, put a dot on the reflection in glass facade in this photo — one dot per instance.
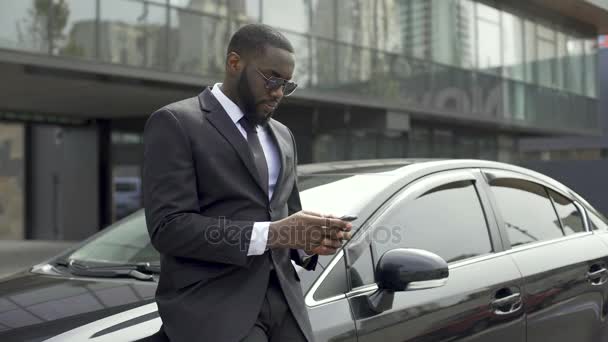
[459, 58]
[12, 190]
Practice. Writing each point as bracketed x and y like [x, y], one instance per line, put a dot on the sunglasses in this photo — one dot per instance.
[274, 83]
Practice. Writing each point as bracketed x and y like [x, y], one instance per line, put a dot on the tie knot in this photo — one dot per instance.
[249, 128]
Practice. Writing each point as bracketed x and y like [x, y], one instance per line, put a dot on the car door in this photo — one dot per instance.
[445, 214]
[563, 264]
[328, 309]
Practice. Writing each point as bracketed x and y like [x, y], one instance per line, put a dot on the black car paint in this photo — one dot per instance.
[34, 307]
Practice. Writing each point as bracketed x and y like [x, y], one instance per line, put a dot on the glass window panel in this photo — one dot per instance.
[443, 143]
[576, 66]
[325, 63]
[334, 284]
[303, 71]
[591, 68]
[545, 32]
[446, 32]
[569, 215]
[488, 47]
[293, 16]
[597, 221]
[562, 56]
[125, 242]
[415, 27]
[198, 43]
[512, 33]
[242, 12]
[323, 18]
[23, 25]
[468, 34]
[488, 13]
[547, 50]
[466, 147]
[363, 145]
[361, 269]
[526, 211]
[207, 6]
[353, 21]
[420, 145]
[452, 211]
[356, 66]
[329, 147]
[488, 148]
[546, 60]
[530, 50]
[132, 33]
[392, 145]
[75, 29]
[12, 194]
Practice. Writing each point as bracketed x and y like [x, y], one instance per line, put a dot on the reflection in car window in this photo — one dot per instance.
[334, 284]
[448, 221]
[569, 215]
[361, 268]
[526, 210]
[127, 241]
[597, 221]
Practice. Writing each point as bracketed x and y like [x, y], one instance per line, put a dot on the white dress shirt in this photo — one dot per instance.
[259, 234]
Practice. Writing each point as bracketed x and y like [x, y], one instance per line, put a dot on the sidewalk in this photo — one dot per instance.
[17, 255]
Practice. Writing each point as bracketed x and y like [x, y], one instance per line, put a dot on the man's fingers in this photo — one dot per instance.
[331, 243]
[324, 250]
[329, 222]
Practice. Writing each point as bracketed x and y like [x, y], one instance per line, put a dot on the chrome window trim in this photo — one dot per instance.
[583, 212]
[309, 299]
[548, 242]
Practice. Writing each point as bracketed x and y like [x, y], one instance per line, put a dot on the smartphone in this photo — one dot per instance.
[348, 218]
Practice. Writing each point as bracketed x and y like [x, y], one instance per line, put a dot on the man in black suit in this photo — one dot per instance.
[222, 204]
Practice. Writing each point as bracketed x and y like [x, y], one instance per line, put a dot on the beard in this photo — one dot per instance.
[249, 103]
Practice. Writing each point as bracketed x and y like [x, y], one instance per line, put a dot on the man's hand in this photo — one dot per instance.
[312, 232]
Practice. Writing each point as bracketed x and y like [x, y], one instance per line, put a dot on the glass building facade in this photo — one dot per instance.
[444, 56]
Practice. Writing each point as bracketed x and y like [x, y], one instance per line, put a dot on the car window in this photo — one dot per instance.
[447, 220]
[127, 241]
[526, 210]
[569, 215]
[597, 221]
[334, 283]
[361, 268]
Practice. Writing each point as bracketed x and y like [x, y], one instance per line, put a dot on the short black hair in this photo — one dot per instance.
[251, 40]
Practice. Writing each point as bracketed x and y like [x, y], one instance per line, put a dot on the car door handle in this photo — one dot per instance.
[507, 305]
[598, 277]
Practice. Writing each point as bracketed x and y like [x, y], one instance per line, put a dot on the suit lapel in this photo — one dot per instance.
[218, 117]
[282, 146]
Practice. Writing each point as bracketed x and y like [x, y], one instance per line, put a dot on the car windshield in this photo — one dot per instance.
[127, 241]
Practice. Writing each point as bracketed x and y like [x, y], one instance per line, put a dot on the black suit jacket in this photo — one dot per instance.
[202, 195]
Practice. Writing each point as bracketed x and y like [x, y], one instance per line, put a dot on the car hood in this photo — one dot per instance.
[35, 307]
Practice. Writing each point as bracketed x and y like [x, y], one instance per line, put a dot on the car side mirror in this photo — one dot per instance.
[404, 269]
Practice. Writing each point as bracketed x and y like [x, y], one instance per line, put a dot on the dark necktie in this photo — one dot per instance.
[256, 149]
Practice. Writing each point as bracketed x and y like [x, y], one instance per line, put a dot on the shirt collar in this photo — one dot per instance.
[230, 107]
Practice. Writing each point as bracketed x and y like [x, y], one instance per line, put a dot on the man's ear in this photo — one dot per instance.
[234, 63]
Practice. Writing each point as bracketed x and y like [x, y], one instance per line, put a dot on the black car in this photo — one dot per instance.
[443, 250]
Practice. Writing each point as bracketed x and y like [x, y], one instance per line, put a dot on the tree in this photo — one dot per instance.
[47, 19]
